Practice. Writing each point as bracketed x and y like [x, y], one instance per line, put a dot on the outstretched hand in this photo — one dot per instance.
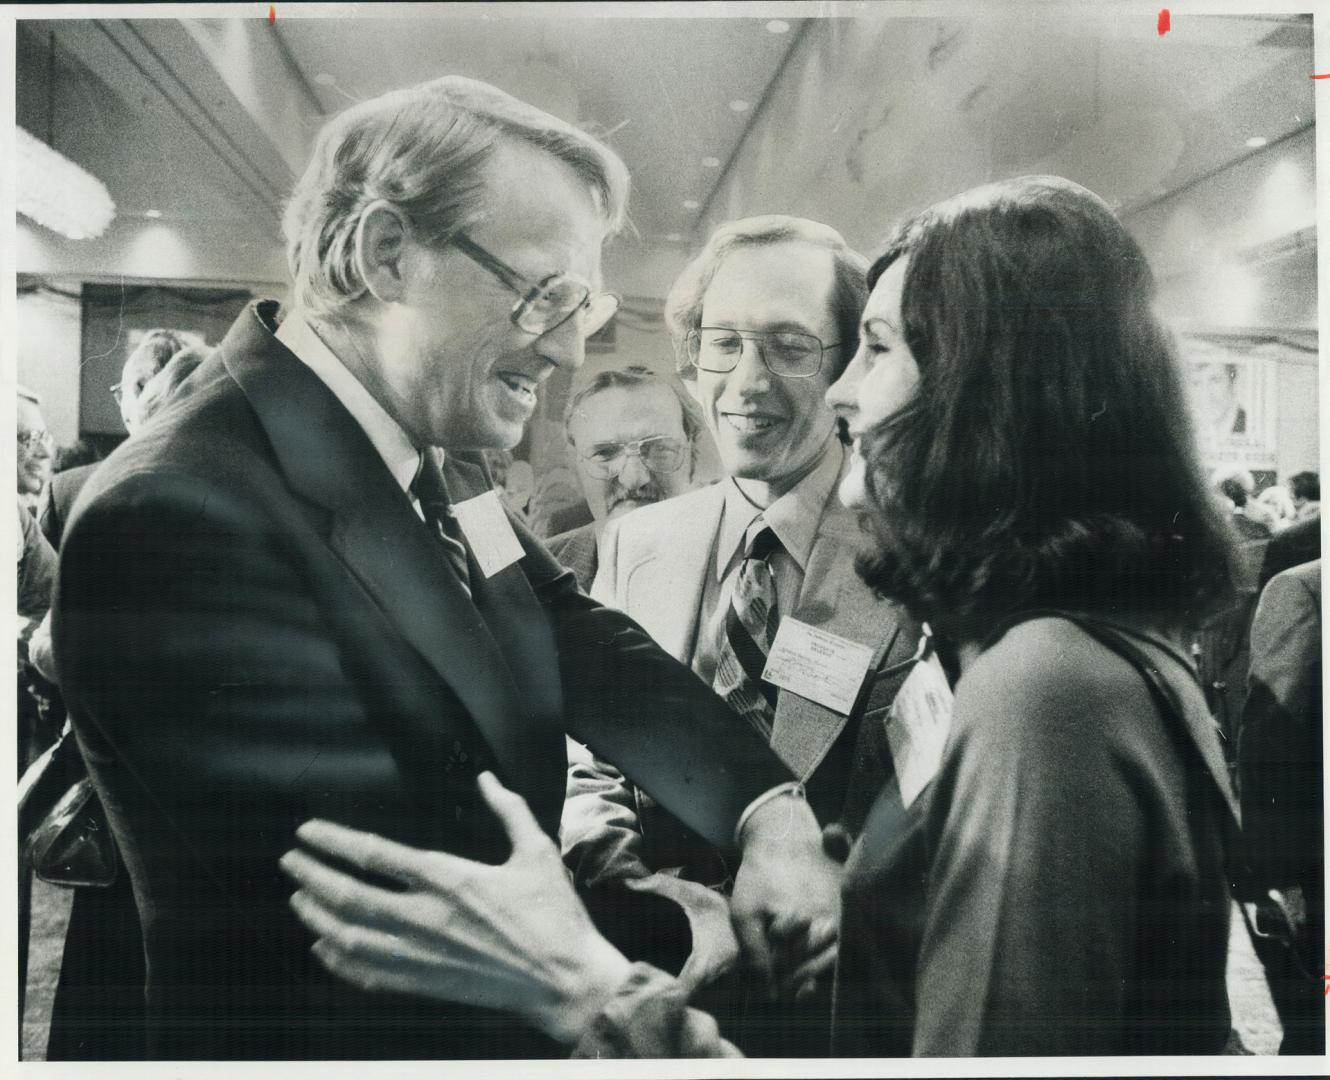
[513, 937]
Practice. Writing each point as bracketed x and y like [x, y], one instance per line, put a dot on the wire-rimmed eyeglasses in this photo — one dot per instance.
[659, 453]
[790, 354]
[546, 303]
[31, 441]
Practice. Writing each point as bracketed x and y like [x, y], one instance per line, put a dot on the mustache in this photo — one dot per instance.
[648, 493]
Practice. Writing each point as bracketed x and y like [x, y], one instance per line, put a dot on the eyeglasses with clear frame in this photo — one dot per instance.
[659, 453]
[549, 302]
[790, 354]
[31, 441]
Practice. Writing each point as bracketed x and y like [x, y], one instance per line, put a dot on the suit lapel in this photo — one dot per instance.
[327, 458]
[834, 599]
[654, 588]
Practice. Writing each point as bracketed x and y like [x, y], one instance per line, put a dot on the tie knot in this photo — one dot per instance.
[428, 486]
[764, 542]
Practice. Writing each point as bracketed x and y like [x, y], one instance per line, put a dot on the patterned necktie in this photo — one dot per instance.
[750, 628]
[432, 494]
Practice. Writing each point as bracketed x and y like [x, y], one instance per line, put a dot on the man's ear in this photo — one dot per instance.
[381, 237]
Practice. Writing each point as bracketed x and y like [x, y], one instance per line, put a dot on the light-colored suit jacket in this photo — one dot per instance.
[653, 566]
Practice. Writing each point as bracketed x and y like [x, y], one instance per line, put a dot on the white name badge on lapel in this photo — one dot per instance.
[817, 664]
[489, 532]
[918, 725]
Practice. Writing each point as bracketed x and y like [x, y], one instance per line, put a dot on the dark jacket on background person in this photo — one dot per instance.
[256, 628]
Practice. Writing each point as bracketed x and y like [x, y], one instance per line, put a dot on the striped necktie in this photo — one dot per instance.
[750, 628]
[432, 494]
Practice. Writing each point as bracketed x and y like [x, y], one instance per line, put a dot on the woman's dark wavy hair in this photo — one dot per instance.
[1048, 458]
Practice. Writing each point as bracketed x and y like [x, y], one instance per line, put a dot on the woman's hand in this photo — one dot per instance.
[513, 937]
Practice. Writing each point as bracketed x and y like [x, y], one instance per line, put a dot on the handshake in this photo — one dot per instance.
[516, 938]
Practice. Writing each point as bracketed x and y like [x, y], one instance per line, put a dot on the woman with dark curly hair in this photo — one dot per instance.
[1055, 882]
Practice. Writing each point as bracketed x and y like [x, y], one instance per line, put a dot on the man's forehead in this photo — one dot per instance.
[624, 407]
[769, 275]
[29, 414]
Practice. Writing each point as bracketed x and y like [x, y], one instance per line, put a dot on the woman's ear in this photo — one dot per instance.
[381, 237]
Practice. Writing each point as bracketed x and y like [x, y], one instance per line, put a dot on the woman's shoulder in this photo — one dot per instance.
[1046, 670]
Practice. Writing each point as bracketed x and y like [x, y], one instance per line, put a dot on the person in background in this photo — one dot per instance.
[35, 448]
[1305, 488]
[98, 1010]
[1281, 775]
[1279, 501]
[1053, 880]
[141, 402]
[635, 438]
[147, 358]
[271, 608]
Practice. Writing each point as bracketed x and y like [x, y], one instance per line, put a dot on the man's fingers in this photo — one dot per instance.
[511, 809]
[750, 929]
[339, 892]
[810, 970]
[369, 852]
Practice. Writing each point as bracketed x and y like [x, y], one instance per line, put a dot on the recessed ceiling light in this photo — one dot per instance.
[324, 79]
[691, 204]
[152, 213]
[711, 162]
[778, 26]
[1257, 141]
[739, 105]
[674, 237]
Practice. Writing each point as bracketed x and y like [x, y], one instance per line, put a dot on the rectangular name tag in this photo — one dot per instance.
[817, 664]
[918, 725]
[489, 532]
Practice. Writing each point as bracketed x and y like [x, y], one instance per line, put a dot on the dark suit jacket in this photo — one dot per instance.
[58, 500]
[577, 551]
[1299, 543]
[256, 628]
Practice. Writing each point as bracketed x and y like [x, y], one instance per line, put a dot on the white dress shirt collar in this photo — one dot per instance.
[394, 446]
[794, 517]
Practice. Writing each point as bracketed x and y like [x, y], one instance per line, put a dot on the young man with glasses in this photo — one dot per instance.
[297, 596]
[634, 435]
[763, 321]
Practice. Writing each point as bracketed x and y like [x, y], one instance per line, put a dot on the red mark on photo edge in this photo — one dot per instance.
[272, 14]
[1321, 76]
[1165, 21]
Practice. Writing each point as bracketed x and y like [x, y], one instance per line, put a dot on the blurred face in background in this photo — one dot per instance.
[631, 448]
[882, 378]
[134, 376]
[35, 449]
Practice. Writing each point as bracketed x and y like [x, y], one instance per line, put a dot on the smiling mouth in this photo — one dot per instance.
[522, 386]
[750, 424]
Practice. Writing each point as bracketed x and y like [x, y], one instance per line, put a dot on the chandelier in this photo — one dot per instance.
[53, 191]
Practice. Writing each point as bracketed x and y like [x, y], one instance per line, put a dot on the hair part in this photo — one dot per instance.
[423, 149]
[1048, 458]
[683, 306]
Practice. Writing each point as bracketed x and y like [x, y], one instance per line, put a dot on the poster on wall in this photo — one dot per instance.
[1232, 385]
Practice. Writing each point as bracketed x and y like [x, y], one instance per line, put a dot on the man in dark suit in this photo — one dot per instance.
[635, 437]
[294, 595]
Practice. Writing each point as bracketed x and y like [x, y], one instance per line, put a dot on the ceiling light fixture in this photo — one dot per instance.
[674, 237]
[154, 214]
[1257, 141]
[53, 191]
[711, 162]
[739, 105]
[691, 204]
[778, 26]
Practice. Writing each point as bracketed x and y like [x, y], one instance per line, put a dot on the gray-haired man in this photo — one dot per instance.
[635, 437]
[299, 598]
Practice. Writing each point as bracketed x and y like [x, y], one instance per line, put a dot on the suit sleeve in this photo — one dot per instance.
[1279, 751]
[636, 706]
[600, 832]
[202, 679]
[1030, 913]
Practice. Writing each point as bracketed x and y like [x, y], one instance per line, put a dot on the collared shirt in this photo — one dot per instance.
[401, 456]
[794, 518]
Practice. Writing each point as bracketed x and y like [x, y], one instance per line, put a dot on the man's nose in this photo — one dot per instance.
[750, 375]
[634, 473]
[564, 346]
[843, 395]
